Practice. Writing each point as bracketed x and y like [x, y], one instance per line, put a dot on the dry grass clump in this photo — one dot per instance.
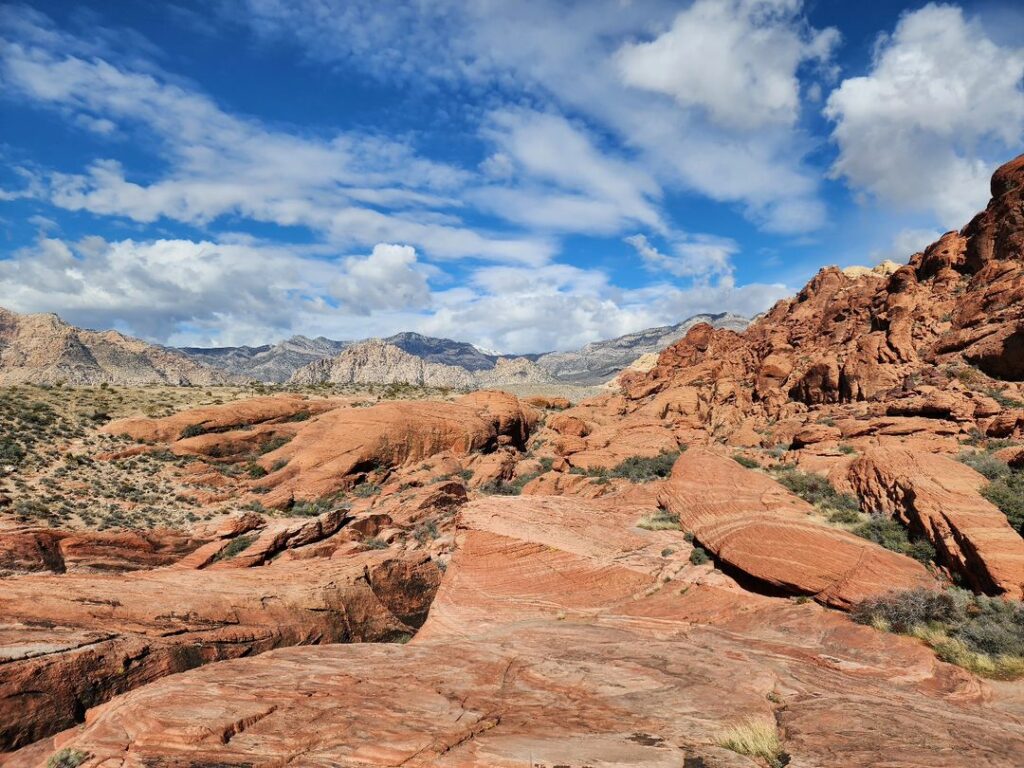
[662, 520]
[755, 737]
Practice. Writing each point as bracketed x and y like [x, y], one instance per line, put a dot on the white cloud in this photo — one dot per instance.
[561, 57]
[224, 164]
[162, 288]
[736, 59]
[940, 108]
[905, 244]
[561, 179]
[699, 257]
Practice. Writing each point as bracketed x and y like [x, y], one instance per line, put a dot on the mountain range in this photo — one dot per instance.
[44, 349]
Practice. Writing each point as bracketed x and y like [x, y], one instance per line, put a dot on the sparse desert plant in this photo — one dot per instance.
[980, 633]
[375, 543]
[755, 737]
[745, 461]
[1007, 493]
[890, 534]
[641, 469]
[236, 546]
[193, 430]
[662, 520]
[67, 758]
[984, 463]
[699, 556]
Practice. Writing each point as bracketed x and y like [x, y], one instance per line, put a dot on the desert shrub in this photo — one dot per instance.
[300, 416]
[1007, 493]
[985, 463]
[278, 465]
[847, 449]
[274, 443]
[981, 633]
[365, 490]
[745, 461]
[67, 758]
[662, 520]
[11, 452]
[236, 546]
[890, 534]
[640, 469]
[375, 543]
[755, 737]
[699, 556]
[193, 430]
[255, 470]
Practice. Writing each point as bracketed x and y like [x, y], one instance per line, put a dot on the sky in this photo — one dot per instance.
[526, 176]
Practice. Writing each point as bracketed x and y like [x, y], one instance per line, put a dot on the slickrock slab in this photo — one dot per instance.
[70, 642]
[755, 526]
[938, 497]
[563, 636]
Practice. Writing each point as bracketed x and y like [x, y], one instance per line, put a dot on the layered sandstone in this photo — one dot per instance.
[761, 532]
[564, 635]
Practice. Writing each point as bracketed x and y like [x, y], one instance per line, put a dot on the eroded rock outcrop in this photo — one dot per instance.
[763, 533]
[564, 635]
[937, 496]
[73, 641]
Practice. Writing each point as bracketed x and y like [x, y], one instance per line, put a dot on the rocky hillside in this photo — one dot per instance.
[378, 361]
[600, 361]
[43, 349]
[270, 363]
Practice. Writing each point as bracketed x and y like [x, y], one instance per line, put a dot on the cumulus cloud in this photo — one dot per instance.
[161, 288]
[736, 59]
[557, 177]
[941, 107]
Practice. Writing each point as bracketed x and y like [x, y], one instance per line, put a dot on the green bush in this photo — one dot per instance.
[639, 469]
[67, 758]
[745, 461]
[236, 546]
[985, 464]
[699, 556]
[193, 430]
[984, 634]
[1007, 493]
[890, 534]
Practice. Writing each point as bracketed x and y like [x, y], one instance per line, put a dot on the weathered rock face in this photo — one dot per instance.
[28, 550]
[938, 497]
[333, 445]
[274, 363]
[764, 534]
[43, 349]
[855, 337]
[563, 635]
[70, 642]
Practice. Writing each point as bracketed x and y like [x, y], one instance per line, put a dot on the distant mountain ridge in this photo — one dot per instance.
[43, 349]
[599, 361]
[378, 361]
[270, 363]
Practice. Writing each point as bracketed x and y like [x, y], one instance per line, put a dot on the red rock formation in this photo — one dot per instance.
[938, 497]
[72, 641]
[759, 530]
[563, 635]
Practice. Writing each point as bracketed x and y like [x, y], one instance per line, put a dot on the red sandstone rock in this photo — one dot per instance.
[562, 635]
[73, 641]
[938, 497]
[753, 525]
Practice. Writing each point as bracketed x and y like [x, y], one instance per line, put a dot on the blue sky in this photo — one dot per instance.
[525, 176]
